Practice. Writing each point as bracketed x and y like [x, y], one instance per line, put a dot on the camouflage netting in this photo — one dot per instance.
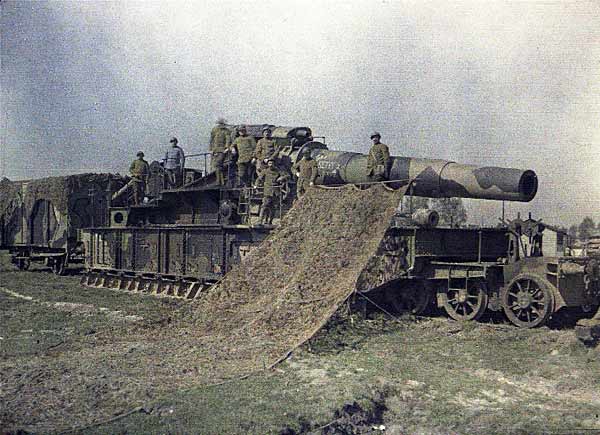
[57, 190]
[283, 293]
[8, 195]
[70, 198]
[287, 288]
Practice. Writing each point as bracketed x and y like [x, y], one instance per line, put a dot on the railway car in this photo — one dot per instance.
[40, 219]
[466, 271]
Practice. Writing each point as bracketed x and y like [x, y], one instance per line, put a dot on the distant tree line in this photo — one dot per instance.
[585, 229]
[451, 210]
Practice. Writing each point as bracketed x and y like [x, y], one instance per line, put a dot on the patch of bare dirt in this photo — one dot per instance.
[76, 308]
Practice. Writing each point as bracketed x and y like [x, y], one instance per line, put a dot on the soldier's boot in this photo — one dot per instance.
[588, 330]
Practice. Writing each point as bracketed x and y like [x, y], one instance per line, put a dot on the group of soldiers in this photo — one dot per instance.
[251, 157]
[173, 165]
[261, 158]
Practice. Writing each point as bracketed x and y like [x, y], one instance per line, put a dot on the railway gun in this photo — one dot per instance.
[182, 240]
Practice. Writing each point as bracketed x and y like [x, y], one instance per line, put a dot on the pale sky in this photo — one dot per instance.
[87, 84]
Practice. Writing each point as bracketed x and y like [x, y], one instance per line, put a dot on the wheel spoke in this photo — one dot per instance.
[519, 285]
[528, 316]
[515, 295]
[528, 285]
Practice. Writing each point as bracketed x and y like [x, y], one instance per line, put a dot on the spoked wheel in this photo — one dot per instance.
[528, 300]
[58, 265]
[414, 298]
[467, 304]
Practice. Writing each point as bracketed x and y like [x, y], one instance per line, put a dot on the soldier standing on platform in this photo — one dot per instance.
[220, 141]
[307, 171]
[378, 159]
[174, 164]
[244, 147]
[266, 149]
[271, 178]
[139, 170]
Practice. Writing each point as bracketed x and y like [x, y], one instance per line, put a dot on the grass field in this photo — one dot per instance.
[411, 376]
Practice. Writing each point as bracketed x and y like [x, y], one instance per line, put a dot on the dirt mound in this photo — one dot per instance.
[288, 288]
[353, 418]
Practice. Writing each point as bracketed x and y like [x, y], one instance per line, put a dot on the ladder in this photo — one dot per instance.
[245, 201]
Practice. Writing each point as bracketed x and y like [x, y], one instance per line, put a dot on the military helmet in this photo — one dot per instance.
[173, 140]
[140, 154]
[221, 121]
[267, 129]
[375, 134]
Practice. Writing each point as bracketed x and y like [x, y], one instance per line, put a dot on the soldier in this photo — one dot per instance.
[266, 149]
[139, 170]
[174, 163]
[244, 147]
[307, 171]
[378, 159]
[220, 141]
[270, 178]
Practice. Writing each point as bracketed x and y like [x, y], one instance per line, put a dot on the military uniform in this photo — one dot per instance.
[378, 161]
[220, 140]
[270, 178]
[174, 164]
[139, 170]
[245, 146]
[308, 171]
[265, 149]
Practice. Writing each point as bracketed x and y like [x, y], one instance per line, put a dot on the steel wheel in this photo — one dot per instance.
[414, 298]
[528, 300]
[467, 304]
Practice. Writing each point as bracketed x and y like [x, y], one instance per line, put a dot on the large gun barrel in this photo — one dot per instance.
[430, 177]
